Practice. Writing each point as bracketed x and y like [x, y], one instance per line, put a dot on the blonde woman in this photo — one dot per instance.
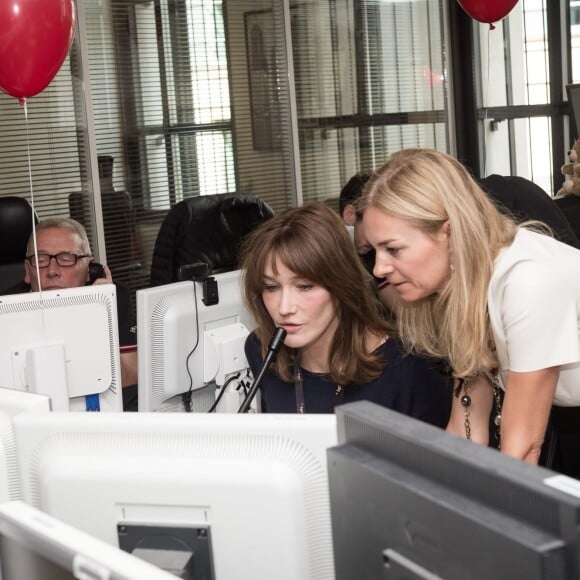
[302, 273]
[497, 300]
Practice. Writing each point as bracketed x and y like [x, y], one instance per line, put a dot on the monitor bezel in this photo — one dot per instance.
[258, 479]
[79, 325]
[46, 543]
[173, 324]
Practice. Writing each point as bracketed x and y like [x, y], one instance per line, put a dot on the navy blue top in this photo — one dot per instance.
[408, 384]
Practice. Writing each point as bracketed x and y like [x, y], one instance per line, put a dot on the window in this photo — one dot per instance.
[176, 115]
[520, 94]
[574, 13]
[166, 99]
[371, 78]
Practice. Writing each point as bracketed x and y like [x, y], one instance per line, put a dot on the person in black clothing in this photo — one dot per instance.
[351, 191]
[523, 200]
[349, 195]
[63, 257]
[302, 273]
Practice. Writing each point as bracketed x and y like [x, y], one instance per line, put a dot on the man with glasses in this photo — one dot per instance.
[64, 255]
[63, 259]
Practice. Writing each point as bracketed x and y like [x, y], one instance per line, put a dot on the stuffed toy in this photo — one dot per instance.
[571, 171]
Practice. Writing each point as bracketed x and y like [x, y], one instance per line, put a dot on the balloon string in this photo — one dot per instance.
[486, 104]
[24, 104]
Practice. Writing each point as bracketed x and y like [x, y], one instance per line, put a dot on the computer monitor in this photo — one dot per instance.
[226, 495]
[36, 546]
[411, 501]
[64, 344]
[190, 338]
[12, 403]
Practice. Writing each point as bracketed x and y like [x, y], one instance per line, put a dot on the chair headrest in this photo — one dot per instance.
[236, 214]
[205, 229]
[15, 228]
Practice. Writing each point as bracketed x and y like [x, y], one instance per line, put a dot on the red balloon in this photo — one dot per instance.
[35, 37]
[488, 11]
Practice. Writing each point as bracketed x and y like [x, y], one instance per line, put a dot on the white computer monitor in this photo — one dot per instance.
[247, 492]
[188, 345]
[64, 344]
[36, 546]
[12, 403]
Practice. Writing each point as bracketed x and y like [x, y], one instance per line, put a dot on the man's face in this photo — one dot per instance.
[54, 277]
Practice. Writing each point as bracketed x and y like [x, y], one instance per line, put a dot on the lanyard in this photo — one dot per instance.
[299, 390]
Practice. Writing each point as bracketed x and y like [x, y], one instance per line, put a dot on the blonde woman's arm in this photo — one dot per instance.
[480, 393]
[525, 412]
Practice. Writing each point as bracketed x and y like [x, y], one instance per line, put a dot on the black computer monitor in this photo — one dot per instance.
[411, 501]
[573, 92]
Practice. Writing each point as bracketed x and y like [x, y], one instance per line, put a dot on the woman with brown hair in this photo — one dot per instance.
[302, 273]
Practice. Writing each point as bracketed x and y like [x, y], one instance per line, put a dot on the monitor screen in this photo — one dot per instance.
[409, 500]
[63, 344]
[227, 495]
[191, 337]
[12, 403]
[36, 546]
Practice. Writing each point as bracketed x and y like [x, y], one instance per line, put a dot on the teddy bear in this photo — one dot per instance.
[571, 171]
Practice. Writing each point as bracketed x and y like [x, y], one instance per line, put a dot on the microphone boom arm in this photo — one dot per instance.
[273, 348]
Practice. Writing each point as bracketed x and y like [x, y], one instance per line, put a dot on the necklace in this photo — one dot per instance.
[299, 390]
[463, 385]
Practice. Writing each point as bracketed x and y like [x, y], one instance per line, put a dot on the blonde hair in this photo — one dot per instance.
[429, 188]
[313, 242]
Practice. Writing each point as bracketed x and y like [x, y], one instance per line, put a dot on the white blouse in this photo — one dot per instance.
[534, 308]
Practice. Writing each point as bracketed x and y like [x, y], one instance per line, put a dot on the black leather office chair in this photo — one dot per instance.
[205, 229]
[15, 229]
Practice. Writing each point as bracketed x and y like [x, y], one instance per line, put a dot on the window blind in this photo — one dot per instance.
[371, 78]
[186, 105]
[51, 136]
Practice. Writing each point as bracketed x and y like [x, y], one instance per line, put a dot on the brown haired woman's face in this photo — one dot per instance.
[416, 265]
[304, 309]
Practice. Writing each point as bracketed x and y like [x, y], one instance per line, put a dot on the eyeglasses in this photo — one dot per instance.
[63, 259]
